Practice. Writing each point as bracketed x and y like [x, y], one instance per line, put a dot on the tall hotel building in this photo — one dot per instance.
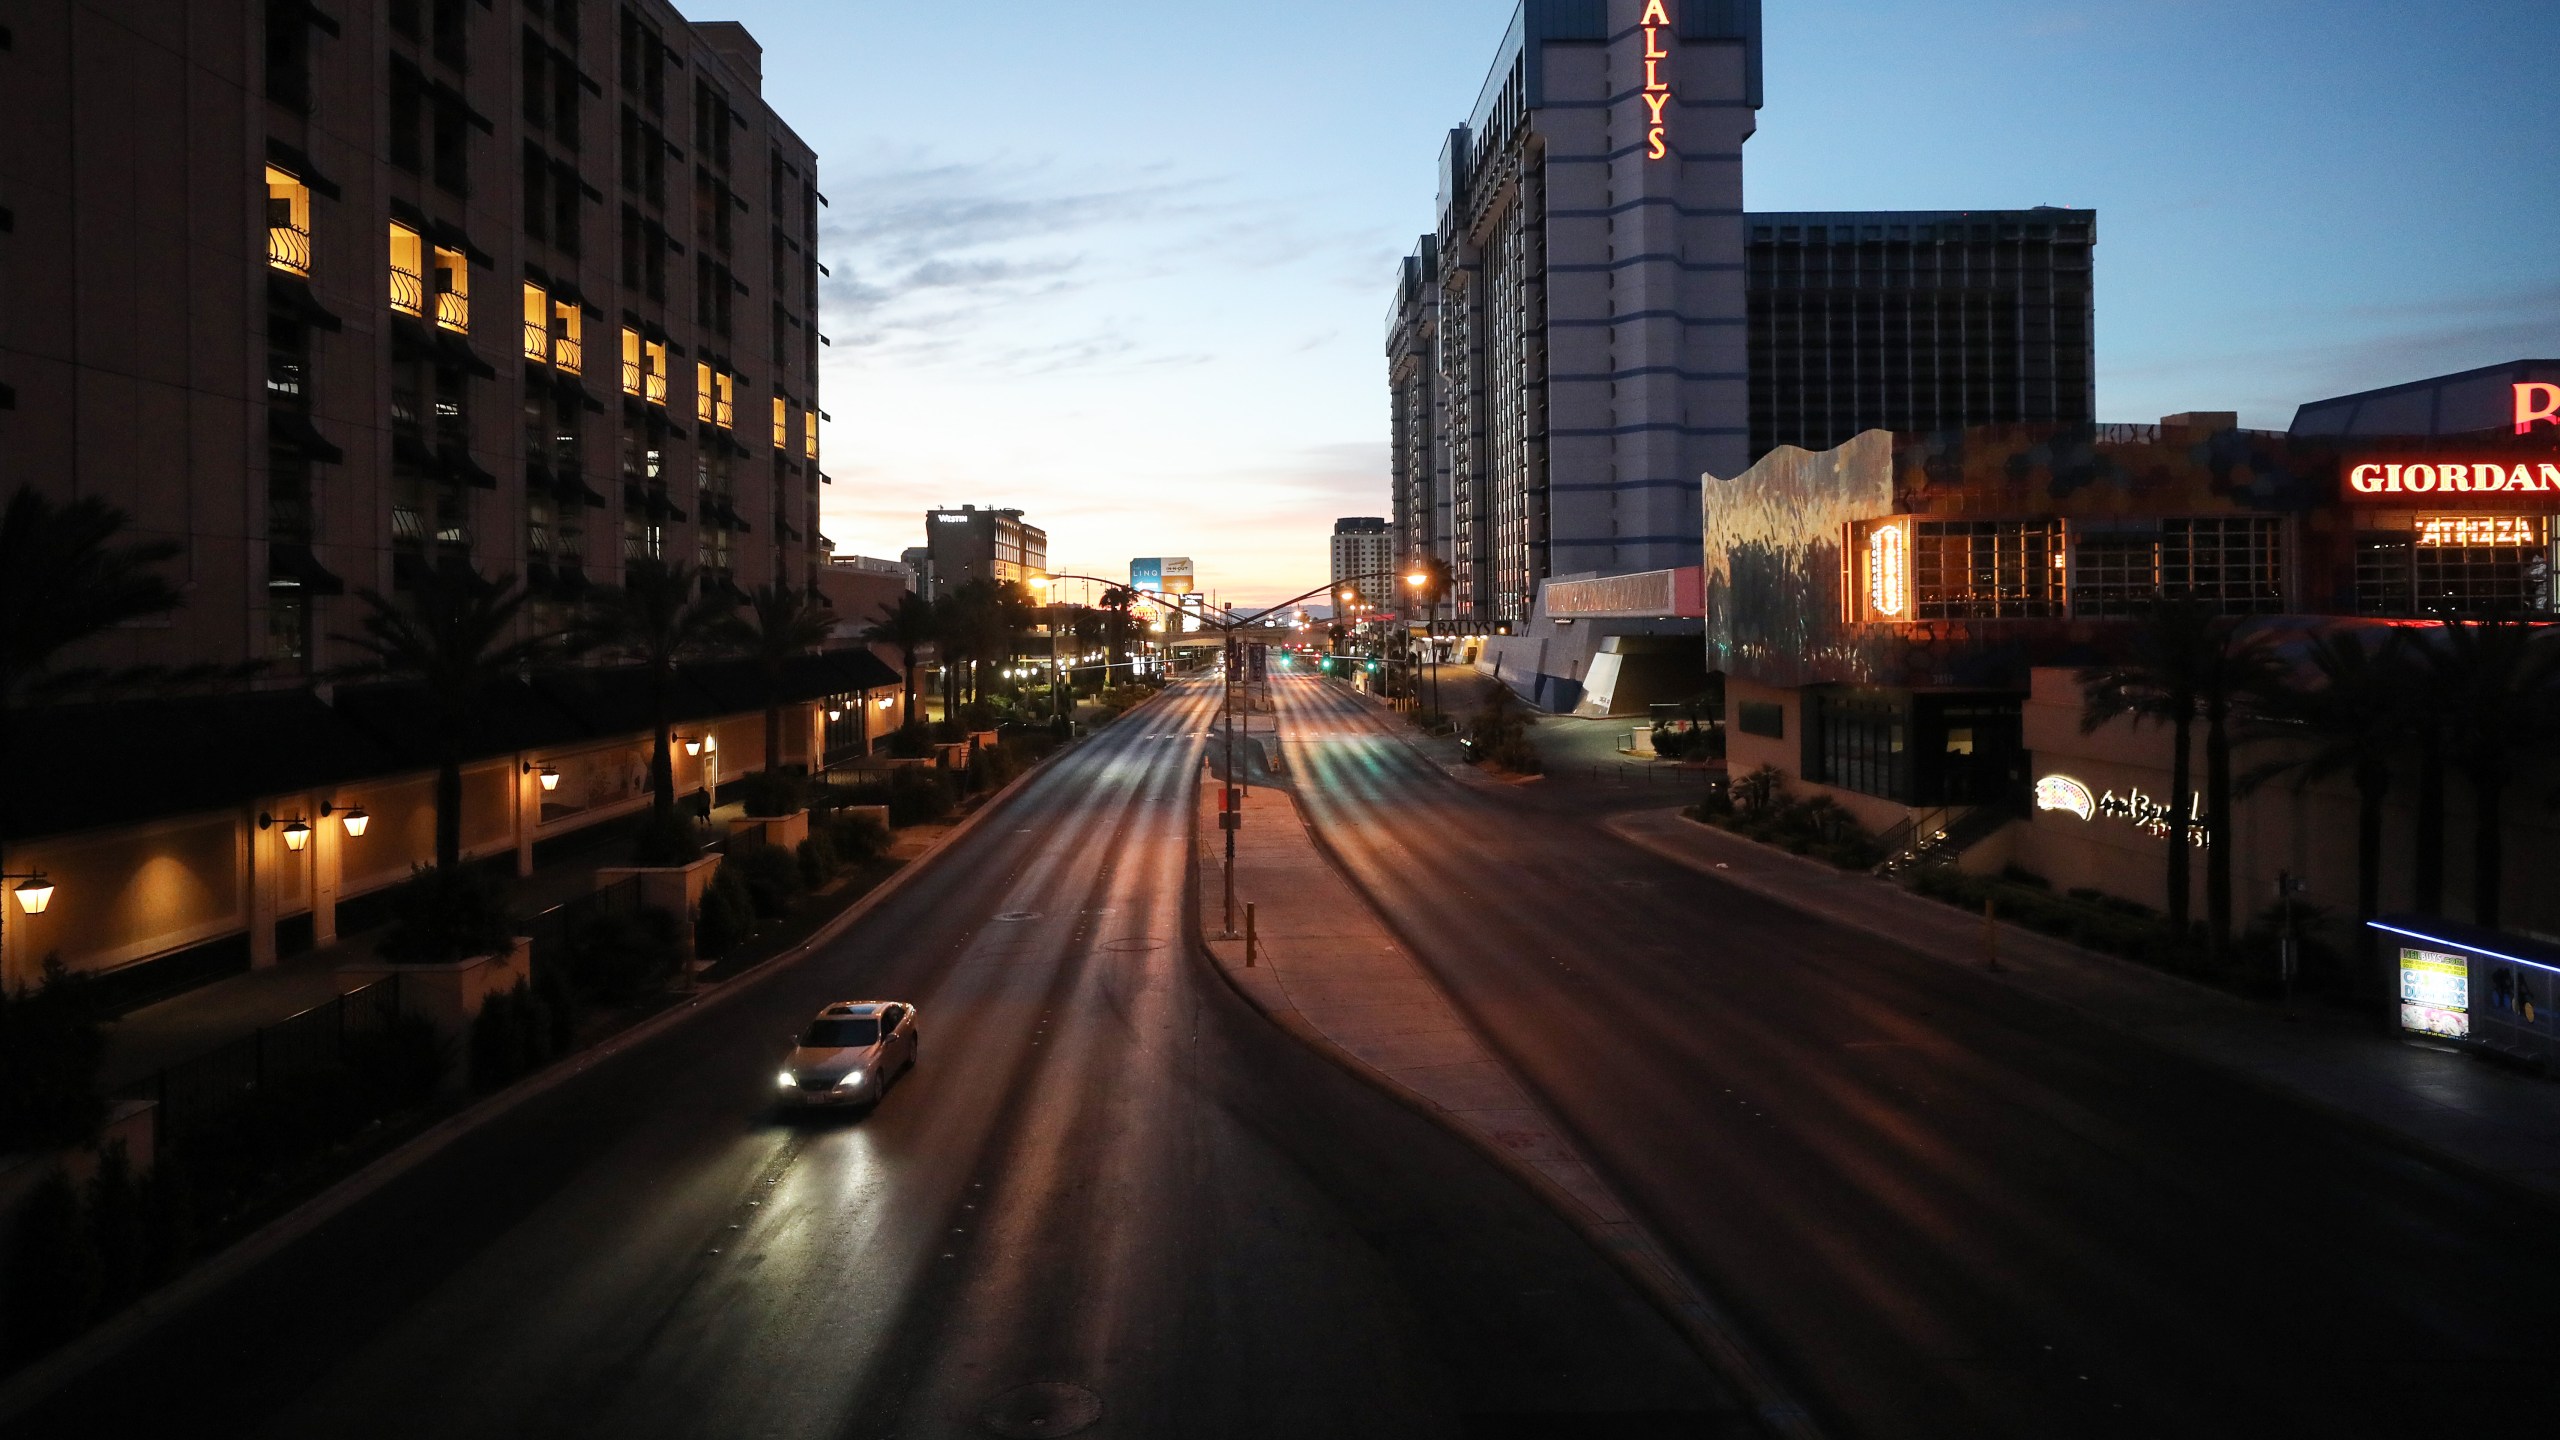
[1919, 321]
[1566, 350]
[328, 296]
[328, 293]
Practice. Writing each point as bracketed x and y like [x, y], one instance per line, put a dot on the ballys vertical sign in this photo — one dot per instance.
[1657, 91]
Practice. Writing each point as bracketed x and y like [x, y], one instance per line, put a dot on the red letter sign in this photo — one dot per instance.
[2536, 403]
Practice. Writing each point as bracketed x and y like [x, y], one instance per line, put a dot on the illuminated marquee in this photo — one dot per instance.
[2447, 532]
[1657, 91]
[2380, 481]
[1888, 572]
[2536, 404]
[2435, 993]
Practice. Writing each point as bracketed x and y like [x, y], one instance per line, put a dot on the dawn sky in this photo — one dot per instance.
[1127, 266]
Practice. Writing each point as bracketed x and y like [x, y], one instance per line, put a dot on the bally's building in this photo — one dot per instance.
[1567, 347]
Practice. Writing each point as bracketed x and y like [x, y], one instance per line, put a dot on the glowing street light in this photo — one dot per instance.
[34, 893]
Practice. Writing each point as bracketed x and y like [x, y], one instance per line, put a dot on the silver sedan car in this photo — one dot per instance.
[850, 1053]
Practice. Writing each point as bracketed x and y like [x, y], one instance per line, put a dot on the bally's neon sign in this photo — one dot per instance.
[1657, 91]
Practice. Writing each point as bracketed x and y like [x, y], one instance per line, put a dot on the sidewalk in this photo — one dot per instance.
[1327, 971]
[2479, 1116]
[208, 1017]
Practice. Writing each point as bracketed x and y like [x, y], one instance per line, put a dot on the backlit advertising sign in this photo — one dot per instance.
[2435, 993]
[1146, 575]
[1177, 574]
[2452, 482]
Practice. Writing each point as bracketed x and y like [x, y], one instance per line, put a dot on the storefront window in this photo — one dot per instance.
[1858, 741]
[2232, 563]
[2455, 565]
[1987, 569]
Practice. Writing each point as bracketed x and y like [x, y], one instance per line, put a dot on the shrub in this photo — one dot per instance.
[667, 840]
[768, 793]
[615, 958]
[54, 1279]
[438, 918]
[919, 796]
[1755, 792]
[51, 1043]
[514, 1035]
[817, 859]
[771, 875]
[858, 838]
[394, 1066]
[726, 915]
[912, 741]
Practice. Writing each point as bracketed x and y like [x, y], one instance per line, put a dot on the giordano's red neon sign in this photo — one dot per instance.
[2500, 479]
[2536, 404]
[1657, 91]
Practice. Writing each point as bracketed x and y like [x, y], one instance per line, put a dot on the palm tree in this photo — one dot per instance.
[1117, 602]
[907, 626]
[2188, 664]
[2493, 684]
[660, 617]
[64, 577]
[450, 636]
[779, 623]
[2355, 720]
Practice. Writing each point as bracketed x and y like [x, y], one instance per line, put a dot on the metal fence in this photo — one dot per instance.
[552, 930]
[198, 1093]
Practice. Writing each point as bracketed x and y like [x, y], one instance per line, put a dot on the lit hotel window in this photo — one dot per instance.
[537, 323]
[288, 223]
[809, 432]
[408, 271]
[702, 392]
[724, 407]
[781, 423]
[630, 361]
[644, 367]
[566, 351]
[453, 290]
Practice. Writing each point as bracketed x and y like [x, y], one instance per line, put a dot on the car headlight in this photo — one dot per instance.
[851, 1079]
[788, 1081]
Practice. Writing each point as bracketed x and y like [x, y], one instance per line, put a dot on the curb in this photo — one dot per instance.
[32, 1384]
[2356, 1120]
[1638, 1256]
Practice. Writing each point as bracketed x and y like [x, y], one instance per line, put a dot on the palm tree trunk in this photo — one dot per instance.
[2429, 859]
[2217, 827]
[662, 755]
[2371, 787]
[2488, 834]
[907, 711]
[448, 814]
[2181, 782]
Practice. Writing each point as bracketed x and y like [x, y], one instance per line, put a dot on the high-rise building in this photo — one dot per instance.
[973, 544]
[1919, 321]
[1364, 561]
[1579, 306]
[329, 295]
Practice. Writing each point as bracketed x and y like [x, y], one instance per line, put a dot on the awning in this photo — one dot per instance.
[454, 350]
[459, 465]
[294, 567]
[289, 158]
[293, 296]
[294, 430]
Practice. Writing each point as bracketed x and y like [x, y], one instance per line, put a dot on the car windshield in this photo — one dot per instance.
[842, 1034]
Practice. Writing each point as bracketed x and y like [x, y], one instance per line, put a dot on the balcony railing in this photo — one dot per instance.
[289, 249]
[407, 525]
[630, 377]
[408, 292]
[537, 342]
[657, 389]
[568, 354]
[453, 312]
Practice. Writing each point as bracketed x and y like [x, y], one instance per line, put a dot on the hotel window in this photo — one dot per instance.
[644, 367]
[567, 324]
[630, 361]
[809, 432]
[288, 223]
[2114, 574]
[537, 323]
[453, 290]
[702, 392]
[2233, 563]
[655, 354]
[1987, 569]
[1858, 742]
[724, 407]
[408, 271]
[781, 423]
[2456, 565]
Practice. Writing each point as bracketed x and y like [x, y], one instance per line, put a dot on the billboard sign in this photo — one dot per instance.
[1178, 577]
[2435, 993]
[1146, 574]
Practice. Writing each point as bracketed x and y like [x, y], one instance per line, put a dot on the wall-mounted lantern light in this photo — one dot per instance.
[835, 712]
[297, 831]
[549, 775]
[692, 744]
[34, 892]
[351, 816]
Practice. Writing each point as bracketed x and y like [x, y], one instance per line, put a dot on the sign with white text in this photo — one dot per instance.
[2435, 993]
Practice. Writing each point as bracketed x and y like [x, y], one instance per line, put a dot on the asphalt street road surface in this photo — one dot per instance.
[1947, 1209]
[1110, 1200]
